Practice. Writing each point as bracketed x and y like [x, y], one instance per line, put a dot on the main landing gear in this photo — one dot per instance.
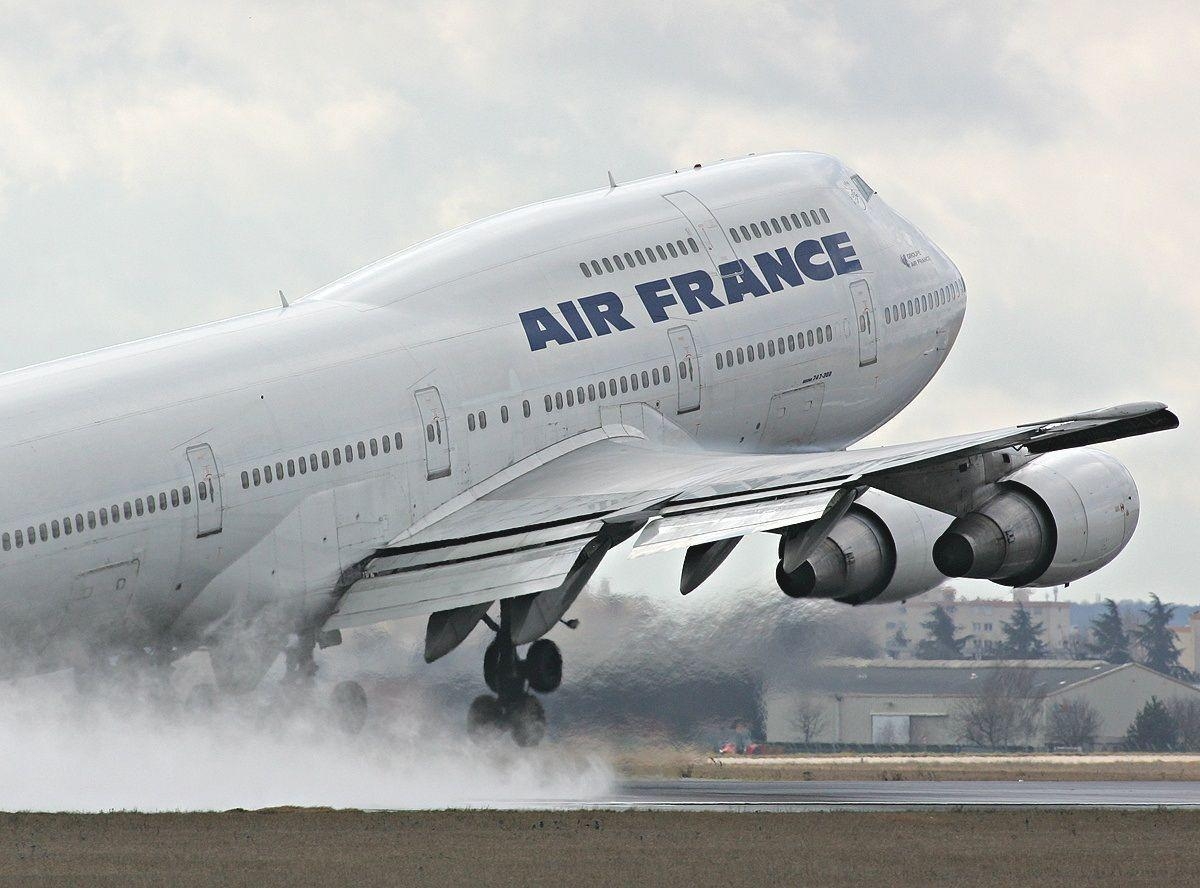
[345, 709]
[511, 678]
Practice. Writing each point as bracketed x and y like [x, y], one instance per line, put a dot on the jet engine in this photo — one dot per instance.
[877, 553]
[1056, 519]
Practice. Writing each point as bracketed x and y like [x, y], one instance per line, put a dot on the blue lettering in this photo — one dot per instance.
[604, 313]
[779, 269]
[741, 282]
[541, 328]
[574, 320]
[694, 288]
[808, 250]
[656, 295]
[841, 252]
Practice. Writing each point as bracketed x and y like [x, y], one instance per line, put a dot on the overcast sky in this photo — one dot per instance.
[160, 167]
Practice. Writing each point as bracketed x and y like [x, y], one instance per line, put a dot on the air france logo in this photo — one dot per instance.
[914, 258]
[696, 291]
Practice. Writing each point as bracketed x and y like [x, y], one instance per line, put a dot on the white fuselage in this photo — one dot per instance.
[439, 345]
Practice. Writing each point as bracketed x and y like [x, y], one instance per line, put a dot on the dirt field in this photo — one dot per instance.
[303, 847]
[1099, 766]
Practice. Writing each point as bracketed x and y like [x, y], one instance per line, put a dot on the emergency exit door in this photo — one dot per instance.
[687, 368]
[208, 489]
[437, 433]
[868, 339]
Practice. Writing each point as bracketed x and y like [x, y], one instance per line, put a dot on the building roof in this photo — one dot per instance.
[953, 678]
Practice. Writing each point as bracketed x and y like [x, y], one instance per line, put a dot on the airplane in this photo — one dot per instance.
[677, 361]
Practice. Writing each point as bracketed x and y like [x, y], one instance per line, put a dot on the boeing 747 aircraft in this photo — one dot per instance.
[465, 430]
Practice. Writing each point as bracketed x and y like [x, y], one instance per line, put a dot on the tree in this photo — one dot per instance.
[1186, 714]
[809, 719]
[1153, 728]
[1160, 650]
[1112, 642]
[897, 643]
[941, 643]
[1072, 723]
[1004, 710]
[1023, 637]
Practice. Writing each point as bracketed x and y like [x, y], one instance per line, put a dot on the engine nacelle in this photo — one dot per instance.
[878, 553]
[1058, 518]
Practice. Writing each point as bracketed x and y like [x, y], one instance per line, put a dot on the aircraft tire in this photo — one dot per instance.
[201, 699]
[491, 667]
[485, 716]
[528, 721]
[544, 666]
[349, 706]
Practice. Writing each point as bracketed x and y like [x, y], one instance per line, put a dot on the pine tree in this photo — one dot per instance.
[1112, 642]
[1160, 650]
[1023, 637]
[941, 643]
[1153, 728]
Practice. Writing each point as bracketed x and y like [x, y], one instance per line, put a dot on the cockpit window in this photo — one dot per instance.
[862, 186]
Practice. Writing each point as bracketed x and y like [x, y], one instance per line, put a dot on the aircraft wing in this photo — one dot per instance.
[543, 523]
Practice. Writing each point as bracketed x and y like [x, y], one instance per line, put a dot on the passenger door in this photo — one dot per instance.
[208, 490]
[436, 433]
[868, 348]
[720, 251]
[687, 367]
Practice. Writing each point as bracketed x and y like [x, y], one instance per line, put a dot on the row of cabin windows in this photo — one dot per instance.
[479, 419]
[771, 347]
[651, 255]
[305, 464]
[765, 228]
[609, 389]
[102, 517]
[923, 303]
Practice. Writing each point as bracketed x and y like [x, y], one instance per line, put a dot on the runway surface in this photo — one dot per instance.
[754, 795]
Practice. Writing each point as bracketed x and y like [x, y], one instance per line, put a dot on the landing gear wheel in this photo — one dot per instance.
[528, 721]
[491, 667]
[485, 717]
[544, 666]
[349, 706]
[201, 699]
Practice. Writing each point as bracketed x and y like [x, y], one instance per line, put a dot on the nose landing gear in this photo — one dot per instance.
[511, 678]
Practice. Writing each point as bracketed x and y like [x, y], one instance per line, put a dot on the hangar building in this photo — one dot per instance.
[915, 702]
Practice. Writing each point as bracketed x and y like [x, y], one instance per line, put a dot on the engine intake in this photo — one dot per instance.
[1058, 518]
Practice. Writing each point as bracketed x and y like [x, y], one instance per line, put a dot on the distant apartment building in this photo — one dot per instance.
[981, 619]
[1188, 637]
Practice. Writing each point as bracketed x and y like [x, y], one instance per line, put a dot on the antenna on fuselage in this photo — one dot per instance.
[612, 183]
[283, 299]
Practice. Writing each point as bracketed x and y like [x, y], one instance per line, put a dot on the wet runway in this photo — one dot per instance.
[754, 795]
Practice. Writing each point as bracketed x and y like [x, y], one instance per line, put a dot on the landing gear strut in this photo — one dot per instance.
[348, 701]
[511, 678]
